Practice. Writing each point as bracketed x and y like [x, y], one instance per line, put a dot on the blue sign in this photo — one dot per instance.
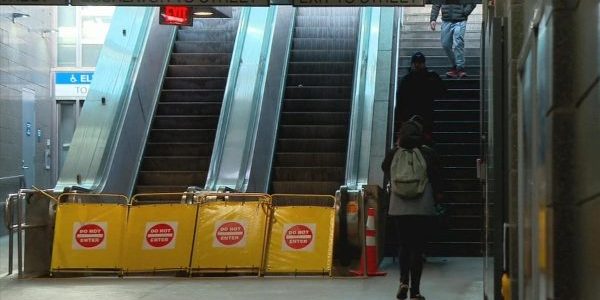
[28, 129]
[74, 77]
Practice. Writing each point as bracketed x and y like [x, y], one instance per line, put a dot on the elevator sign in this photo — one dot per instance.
[72, 84]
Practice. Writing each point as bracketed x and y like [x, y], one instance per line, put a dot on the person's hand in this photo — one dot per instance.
[432, 25]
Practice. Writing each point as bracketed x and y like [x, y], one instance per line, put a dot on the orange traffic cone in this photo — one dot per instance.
[371, 249]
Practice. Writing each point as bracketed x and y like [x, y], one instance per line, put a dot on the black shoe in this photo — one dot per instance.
[417, 297]
[402, 292]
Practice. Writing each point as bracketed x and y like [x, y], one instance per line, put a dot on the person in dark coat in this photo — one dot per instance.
[414, 217]
[416, 94]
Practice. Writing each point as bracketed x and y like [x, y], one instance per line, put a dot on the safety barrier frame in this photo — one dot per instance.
[186, 199]
[62, 202]
[264, 204]
[334, 203]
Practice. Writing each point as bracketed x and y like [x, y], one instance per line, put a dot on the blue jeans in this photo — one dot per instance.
[454, 32]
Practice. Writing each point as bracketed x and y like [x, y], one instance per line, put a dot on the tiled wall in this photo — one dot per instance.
[26, 56]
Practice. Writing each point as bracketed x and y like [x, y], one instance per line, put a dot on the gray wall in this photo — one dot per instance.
[26, 56]
[554, 137]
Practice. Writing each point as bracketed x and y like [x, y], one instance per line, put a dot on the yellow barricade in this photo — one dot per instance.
[230, 235]
[301, 236]
[159, 236]
[88, 236]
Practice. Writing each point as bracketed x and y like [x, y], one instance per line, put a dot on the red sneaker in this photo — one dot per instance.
[461, 73]
[453, 73]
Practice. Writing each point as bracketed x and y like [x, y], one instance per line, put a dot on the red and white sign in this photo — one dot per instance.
[299, 237]
[160, 235]
[89, 236]
[230, 234]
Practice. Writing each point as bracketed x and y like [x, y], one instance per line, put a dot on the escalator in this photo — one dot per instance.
[311, 147]
[180, 142]
[455, 133]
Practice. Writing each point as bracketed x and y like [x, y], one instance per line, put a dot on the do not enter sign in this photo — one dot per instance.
[160, 235]
[299, 237]
[89, 235]
[230, 234]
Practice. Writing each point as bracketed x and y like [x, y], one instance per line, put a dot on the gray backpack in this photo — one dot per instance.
[408, 173]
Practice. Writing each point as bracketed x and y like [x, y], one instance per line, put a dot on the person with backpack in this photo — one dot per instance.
[414, 172]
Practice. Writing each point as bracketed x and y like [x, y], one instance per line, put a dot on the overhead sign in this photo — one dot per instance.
[176, 15]
[359, 2]
[72, 84]
[34, 2]
[171, 2]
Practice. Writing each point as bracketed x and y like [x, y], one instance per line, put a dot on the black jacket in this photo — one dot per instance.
[433, 168]
[416, 93]
[452, 12]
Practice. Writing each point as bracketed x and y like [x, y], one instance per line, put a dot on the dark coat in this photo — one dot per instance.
[416, 93]
[452, 12]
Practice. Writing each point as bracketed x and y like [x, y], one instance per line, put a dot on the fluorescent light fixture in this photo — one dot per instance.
[203, 13]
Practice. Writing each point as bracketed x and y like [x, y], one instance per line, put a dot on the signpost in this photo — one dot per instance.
[72, 84]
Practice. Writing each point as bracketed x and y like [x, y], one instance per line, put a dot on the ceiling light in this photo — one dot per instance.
[203, 13]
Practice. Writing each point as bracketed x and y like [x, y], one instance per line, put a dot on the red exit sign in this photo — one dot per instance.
[176, 15]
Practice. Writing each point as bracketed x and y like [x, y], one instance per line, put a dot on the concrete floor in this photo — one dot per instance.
[443, 279]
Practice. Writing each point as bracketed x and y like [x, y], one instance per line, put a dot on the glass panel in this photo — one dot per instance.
[66, 56]
[66, 16]
[89, 55]
[94, 29]
[66, 128]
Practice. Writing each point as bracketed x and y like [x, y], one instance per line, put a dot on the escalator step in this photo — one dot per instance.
[319, 80]
[183, 83]
[460, 160]
[323, 44]
[191, 95]
[185, 122]
[202, 47]
[321, 92]
[459, 172]
[321, 68]
[308, 174]
[171, 163]
[200, 58]
[458, 148]
[182, 135]
[197, 70]
[454, 137]
[301, 159]
[311, 145]
[456, 105]
[310, 131]
[451, 115]
[343, 21]
[179, 149]
[456, 126]
[317, 105]
[189, 108]
[189, 178]
[314, 118]
[319, 32]
[212, 35]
